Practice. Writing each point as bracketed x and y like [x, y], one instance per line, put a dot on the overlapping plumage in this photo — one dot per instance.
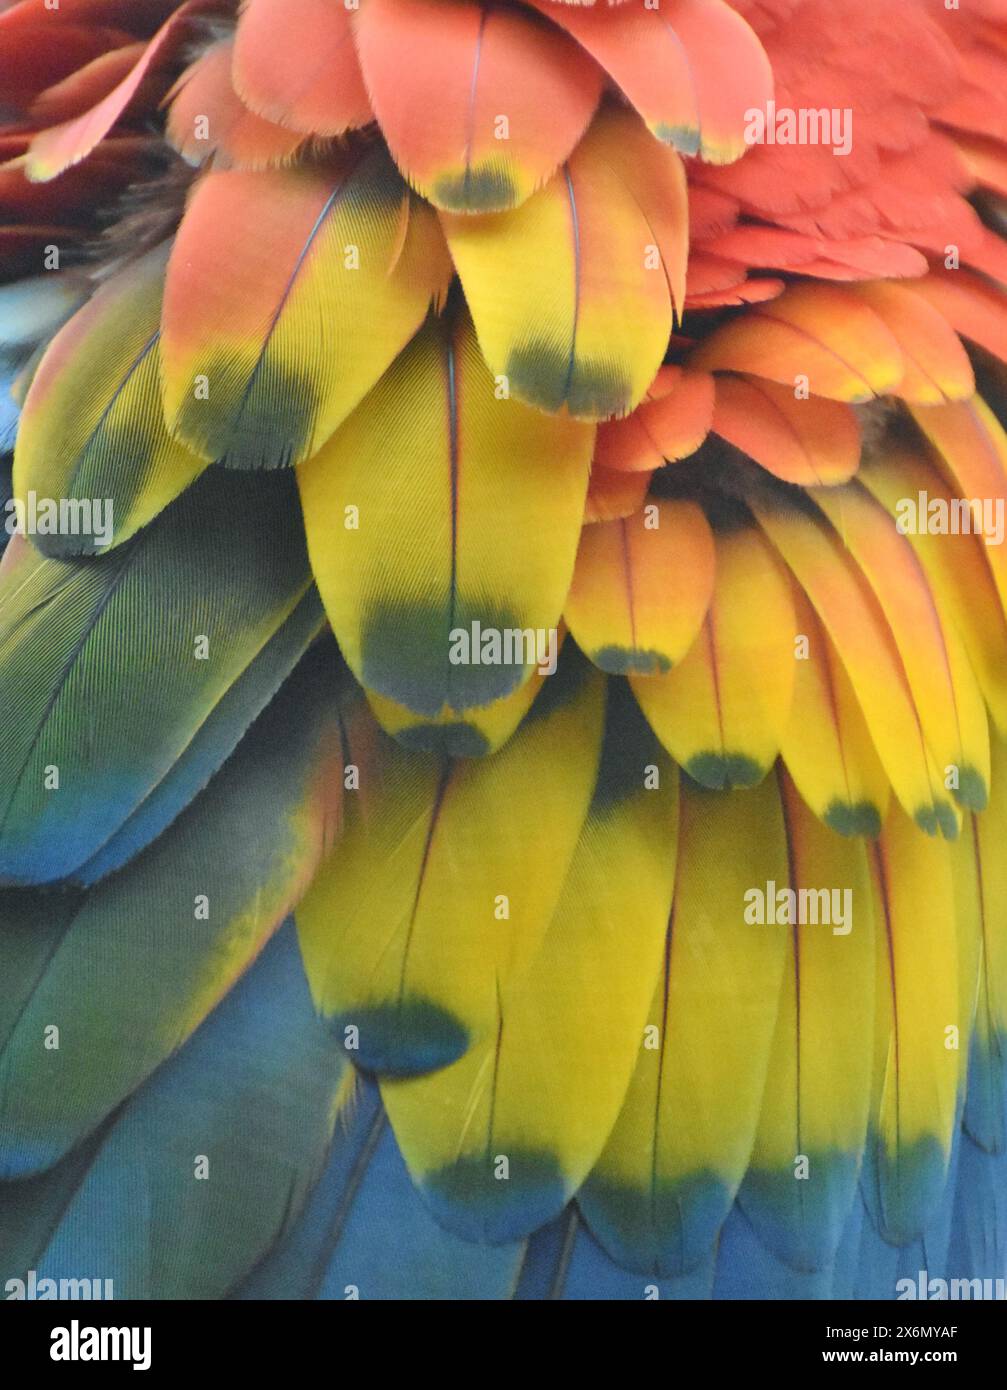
[528, 340]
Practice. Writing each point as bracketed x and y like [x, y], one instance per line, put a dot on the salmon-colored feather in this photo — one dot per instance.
[730, 72]
[295, 63]
[646, 59]
[743, 292]
[777, 248]
[480, 118]
[30, 61]
[208, 117]
[670, 423]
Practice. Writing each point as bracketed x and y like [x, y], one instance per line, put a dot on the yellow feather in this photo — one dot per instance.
[827, 746]
[813, 1126]
[669, 1173]
[443, 513]
[536, 1099]
[917, 1063]
[722, 711]
[445, 881]
[572, 292]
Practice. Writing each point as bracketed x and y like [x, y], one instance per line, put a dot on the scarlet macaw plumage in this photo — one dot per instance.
[503, 649]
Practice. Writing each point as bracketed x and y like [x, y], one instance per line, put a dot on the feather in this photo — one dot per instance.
[670, 423]
[986, 1105]
[32, 310]
[295, 64]
[442, 889]
[483, 117]
[722, 711]
[647, 61]
[818, 336]
[969, 927]
[986, 161]
[731, 74]
[213, 742]
[827, 746]
[385, 1213]
[945, 692]
[937, 366]
[86, 86]
[68, 199]
[259, 1119]
[801, 439]
[207, 117]
[30, 1208]
[55, 150]
[140, 618]
[914, 1108]
[364, 1206]
[748, 1269]
[972, 306]
[30, 60]
[738, 292]
[777, 248]
[410, 567]
[91, 428]
[802, 1182]
[161, 942]
[854, 621]
[641, 588]
[537, 1098]
[613, 494]
[979, 1231]
[260, 351]
[572, 293]
[142, 18]
[473, 733]
[955, 565]
[692, 68]
[564, 1261]
[669, 1173]
[972, 444]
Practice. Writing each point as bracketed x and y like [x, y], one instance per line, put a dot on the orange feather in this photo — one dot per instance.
[670, 423]
[807, 440]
